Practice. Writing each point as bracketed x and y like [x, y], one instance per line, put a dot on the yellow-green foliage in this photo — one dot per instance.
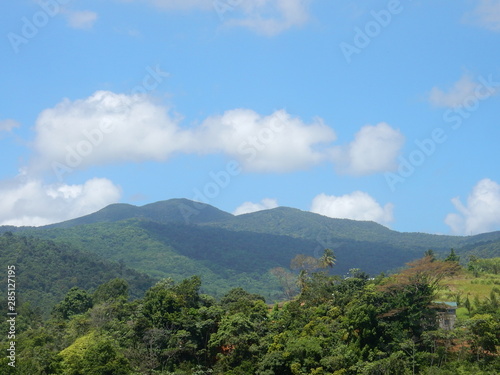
[74, 353]
[465, 285]
[468, 285]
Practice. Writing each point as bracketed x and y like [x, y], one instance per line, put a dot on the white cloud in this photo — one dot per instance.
[248, 207]
[271, 17]
[480, 214]
[454, 97]
[486, 15]
[373, 150]
[268, 17]
[8, 125]
[274, 143]
[356, 206]
[181, 4]
[105, 128]
[31, 203]
[83, 19]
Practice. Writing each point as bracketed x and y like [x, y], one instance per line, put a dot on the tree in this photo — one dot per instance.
[302, 280]
[112, 290]
[422, 271]
[485, 334]
[468, 305]
[430, 253]
[287, 281]
[327, 259]
[239, 300]
[452, 257]
[102, 358]
[306, 263]
[161, 304]
[77, 301]
[93, 355]
[410, 293]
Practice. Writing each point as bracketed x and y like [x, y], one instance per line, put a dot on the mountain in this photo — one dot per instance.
[179, 238]
[45, 270]
[326, 230]
[225, 259]
[485, 245]
[173, 210]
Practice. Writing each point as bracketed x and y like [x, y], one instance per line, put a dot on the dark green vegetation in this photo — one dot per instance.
[333, 326]
[46, 270]
[179, 238]
[174, 210]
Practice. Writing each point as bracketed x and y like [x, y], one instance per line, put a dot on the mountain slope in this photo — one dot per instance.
[328, 231]
[173, 210]
[225, 259]
[180, 238]
[46, 270]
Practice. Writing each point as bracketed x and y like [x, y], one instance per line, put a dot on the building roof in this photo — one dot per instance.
[452, 305]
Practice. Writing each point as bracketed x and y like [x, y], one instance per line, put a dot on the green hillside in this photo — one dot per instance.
[297, 223]
[46, 270]
[484, 247]
[333, 326]
[179, 238]
[173, 210]
[223, 258]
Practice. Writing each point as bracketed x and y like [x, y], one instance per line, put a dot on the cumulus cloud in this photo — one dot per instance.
[83, 19]
[8, 125]
[373, 150]
[455, 96]
[249, 207]
[105, 128]
[274, 143]
[29, 202]
[486, 15]
[480, 214]
[108, 127]
[356, 206]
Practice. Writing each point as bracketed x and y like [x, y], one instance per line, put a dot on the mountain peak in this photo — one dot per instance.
[172, 210]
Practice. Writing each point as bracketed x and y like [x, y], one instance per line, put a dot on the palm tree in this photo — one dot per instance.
[302, 280]
[327, 259]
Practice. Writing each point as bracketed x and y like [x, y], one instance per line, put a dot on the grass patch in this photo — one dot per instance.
[458, 288]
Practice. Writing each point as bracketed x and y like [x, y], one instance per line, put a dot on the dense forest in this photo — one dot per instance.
[47, 270]
[329, 325]
[179, 238]
[176, 287]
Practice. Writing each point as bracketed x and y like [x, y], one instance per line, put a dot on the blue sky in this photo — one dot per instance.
[370, 110]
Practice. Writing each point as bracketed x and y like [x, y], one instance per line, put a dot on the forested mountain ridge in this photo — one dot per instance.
[224, 259]
[172, 210]
[332, 326]
[46, 270]
[297, 223]
[179, 238]
[197, 319]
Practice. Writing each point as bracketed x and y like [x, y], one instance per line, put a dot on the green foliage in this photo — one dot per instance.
[354, 325]
[173, 210]
[452, 257]
[335, 325]
[77, 301]
[478, 266]
[112, 290]
[46, 270]
[93, 355]
[179, 238]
